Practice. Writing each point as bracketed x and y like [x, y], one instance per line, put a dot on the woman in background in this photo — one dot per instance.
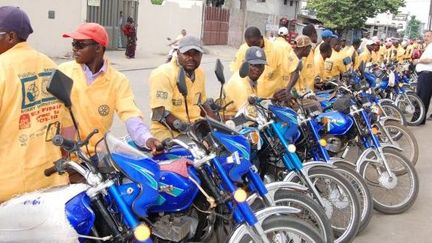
[130, 32]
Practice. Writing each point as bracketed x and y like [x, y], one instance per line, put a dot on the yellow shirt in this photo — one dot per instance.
[333, 66]
[94, 105]
[289, 64]
[271, 80]
[280, 44]
[164, 92]
[400, 54]
[381, 53]
[409, 52]
[364, 58]
[375, 57]
[237, 90]
[392, 54]
[307, 75]
[319, 65]
[353, 54]
[26, 112]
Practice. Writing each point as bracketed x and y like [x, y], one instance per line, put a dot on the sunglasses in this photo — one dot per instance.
[82, 45]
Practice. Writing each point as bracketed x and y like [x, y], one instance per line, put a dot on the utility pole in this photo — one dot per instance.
[429, 24]
[243, 9]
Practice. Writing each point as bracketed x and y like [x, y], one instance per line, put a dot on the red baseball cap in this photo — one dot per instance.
[90, 31]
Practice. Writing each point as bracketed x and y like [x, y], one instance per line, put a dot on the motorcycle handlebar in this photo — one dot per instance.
[66, 144]
[51, 170]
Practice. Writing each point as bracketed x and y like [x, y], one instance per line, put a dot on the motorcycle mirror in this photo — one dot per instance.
[60, 86]
[362, 68]
[219, 68]
[158, 113]
[347, 60]
[244, 70]
[181, 82]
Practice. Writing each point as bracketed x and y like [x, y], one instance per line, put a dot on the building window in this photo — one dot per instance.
[261, 1]
[291, 3]
[285, 2]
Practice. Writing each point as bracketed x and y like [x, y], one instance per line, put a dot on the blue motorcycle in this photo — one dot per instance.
[385, 170]
[277, 159]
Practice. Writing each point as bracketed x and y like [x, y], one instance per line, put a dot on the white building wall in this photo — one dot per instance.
[271, 7]
[157, 22]
[47, 35]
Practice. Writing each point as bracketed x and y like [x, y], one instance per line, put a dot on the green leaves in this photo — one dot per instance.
[349, 14]
[413, 28]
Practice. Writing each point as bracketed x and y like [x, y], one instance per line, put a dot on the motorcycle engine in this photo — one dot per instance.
[175, 228]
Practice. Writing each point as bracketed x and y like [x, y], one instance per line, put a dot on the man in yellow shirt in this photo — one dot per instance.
[238, 89]
[29, 115]
[366, 56]
[334, 66]
[325, 53]
[270, 81]
[400, 52]
[280, 43]
[99, 90]
[326, 36]
[352, 51]
[303, 51]
[164, 92]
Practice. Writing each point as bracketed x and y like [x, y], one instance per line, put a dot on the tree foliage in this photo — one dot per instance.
[349, 14]
[413, 28]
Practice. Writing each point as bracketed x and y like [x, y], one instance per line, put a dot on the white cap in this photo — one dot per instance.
[370, 42]
[376, 39]
[404, 43]
[283, 31]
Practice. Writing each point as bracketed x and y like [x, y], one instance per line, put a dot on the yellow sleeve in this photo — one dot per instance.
[161, 90]
[239, 57]
[66, 120]
[235, 93]
[125, 103]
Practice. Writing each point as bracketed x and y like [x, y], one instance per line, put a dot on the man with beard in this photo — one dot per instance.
[164, 92]
[99, 90]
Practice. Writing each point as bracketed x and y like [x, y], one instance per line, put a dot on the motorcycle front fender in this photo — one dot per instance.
[275, 186]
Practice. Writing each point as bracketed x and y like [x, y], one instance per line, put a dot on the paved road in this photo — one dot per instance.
[413, 226]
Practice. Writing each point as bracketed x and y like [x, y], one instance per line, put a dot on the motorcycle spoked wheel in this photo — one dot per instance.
[407, 110]
[281, 228]
[392, 194]
[392, 110]
[362, 190]
[340, 201]
[404, 138]
[311, 212]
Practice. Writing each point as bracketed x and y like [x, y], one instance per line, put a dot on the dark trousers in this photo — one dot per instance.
[424, 89]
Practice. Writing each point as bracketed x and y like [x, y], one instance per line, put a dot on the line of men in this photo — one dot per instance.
[30, 116]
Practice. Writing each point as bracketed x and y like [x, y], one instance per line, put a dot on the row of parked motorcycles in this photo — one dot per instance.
[270, 174]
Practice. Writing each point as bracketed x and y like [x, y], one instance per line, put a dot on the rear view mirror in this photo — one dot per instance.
[158, 114]
[244, 70]
[347, 60]
[362, 68]
[181, 82]
[219, 68]
[60, 86]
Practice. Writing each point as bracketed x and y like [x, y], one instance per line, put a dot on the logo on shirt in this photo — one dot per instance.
[104, 110]
[177, 102]
[34, 89]
[328, 65]
[24, 121]
[162, 95]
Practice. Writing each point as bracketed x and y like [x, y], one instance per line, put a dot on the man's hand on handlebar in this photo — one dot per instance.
[155, 146]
